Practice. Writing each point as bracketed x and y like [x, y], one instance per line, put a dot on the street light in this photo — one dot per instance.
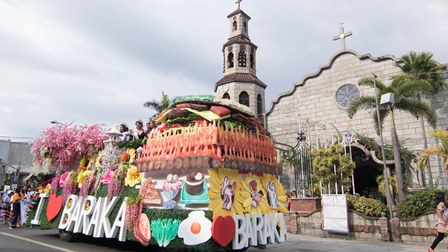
[58, 123]
[386, 168]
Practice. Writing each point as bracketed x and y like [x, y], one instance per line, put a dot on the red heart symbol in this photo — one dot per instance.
[54, 207]
[223, 230]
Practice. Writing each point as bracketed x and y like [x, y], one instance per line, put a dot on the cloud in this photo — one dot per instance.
[99, 61]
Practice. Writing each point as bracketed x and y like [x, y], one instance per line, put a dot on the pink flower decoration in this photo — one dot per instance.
[63, 178]
[108, 176]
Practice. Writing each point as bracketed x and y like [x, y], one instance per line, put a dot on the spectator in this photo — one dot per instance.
[141, 134]
[150, 126]
[126, 134]
[442, 216]
[6, 205]
[15, 208]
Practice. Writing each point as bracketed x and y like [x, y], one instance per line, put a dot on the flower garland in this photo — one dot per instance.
[133, 210]
[115, 186]
[70, 185]
[55, 184]
[63, 145]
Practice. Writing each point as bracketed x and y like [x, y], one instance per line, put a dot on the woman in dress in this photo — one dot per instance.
[141, 134]
[126, 134]
[6, 205]
[442, 216]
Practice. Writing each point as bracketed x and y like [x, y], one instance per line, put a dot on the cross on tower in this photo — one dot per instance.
[239, 3]
[342, 36]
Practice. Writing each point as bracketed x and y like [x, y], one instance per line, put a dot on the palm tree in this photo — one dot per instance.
[403, 92]
[421, 68]
[158, 106]
[440, 149]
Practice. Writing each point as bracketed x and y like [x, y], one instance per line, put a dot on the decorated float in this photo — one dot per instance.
[206, 178]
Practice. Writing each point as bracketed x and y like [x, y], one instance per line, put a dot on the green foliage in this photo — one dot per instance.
[135, 144]
[418, 204]
[324, 161]
[164, 230]
[393, 186]
[367, 206]
[158, 106]
[404, 92]
[421, 68]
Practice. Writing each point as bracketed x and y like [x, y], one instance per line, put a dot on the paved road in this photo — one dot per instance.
[36, 240]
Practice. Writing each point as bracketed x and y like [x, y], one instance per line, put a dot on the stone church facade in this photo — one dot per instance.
[318, 102]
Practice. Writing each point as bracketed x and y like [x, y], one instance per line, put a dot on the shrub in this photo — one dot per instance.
[418, 204]
[367, 206]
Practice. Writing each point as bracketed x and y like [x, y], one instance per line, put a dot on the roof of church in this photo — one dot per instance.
[325, 67]
[238, 11]
[240, 77]
[239, 39]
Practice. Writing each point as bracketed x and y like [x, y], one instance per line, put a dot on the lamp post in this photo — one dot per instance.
[301, 138]
[386, 168]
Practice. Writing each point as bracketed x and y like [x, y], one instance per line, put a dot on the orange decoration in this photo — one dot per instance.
[195, 227]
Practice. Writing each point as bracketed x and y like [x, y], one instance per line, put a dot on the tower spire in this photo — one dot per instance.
[239, 3]
[239, 81]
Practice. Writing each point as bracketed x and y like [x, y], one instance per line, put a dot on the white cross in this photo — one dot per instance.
[238, 2]
[342, 35]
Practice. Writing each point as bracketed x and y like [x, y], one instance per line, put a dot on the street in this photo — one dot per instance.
[36, 240]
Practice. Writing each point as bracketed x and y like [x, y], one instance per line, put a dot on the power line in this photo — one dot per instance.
[16, 137]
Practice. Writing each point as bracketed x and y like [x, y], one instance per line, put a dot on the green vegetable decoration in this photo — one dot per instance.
[164, 231]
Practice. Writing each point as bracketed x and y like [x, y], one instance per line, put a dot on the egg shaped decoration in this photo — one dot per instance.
[196, 229]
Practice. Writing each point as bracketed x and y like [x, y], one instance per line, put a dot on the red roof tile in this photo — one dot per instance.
[239, 39]
[240, 77]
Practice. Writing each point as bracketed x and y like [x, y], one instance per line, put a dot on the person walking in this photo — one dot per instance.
[15, 208]
[6, 205]
[442, 218]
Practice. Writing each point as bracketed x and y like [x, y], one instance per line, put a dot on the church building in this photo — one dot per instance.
[317, 104]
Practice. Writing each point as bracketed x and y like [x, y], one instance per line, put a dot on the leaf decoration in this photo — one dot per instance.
[164, 231]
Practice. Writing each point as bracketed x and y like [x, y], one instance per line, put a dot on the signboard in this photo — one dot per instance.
[335, 213]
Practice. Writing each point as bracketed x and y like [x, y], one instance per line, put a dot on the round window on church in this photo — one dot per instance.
[346, 94]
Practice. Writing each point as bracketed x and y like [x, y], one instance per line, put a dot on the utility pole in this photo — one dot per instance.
[385, 167]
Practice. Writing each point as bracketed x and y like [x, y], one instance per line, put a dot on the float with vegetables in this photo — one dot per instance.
[206, 178]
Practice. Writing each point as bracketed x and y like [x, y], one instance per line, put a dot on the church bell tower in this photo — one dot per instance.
[240, 82]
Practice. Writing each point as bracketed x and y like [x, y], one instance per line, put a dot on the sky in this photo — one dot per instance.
[87, 62]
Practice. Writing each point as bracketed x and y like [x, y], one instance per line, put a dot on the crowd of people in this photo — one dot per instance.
[15, 206]
[140, 132]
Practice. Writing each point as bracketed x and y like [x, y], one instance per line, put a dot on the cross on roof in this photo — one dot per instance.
[342, 35]
[239, 3]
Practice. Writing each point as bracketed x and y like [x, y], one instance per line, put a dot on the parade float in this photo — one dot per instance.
[206, 178]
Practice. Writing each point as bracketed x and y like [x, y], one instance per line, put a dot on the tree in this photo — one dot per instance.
[428, 74]
[403, 91]
[158, 106]
[441, 149]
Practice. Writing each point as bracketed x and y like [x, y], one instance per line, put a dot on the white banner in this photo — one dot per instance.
[334, 211]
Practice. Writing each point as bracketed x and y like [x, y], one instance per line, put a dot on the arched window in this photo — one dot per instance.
[226, 96]
[230, 60]
[244, 98]
[242, 59]
[235, 25]
[245, 26]
[259, 105]
[252, 60]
